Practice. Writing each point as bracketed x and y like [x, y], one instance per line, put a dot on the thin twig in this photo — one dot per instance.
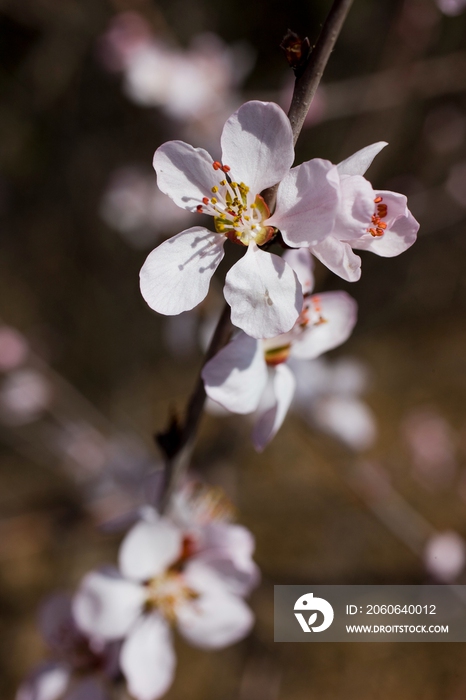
[178, 441]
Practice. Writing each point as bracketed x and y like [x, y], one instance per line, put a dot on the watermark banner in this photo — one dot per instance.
[370, 613]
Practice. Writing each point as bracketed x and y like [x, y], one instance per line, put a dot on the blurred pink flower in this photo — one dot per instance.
[13, 349]
[24, 395]
[445, 556]
[69, 676]
[193, 577]
[452, 8]
[431, 442]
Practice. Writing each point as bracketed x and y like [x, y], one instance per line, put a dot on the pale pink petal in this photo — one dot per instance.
[356, 208]
[106, 605]
[184, 173]
[227, 548]
[264, 294]
[257, 144]
[338, 313]
[307, 202]
[302, 262]
[401, 231]
[237, 375]
[270, 421]
[216, 617]
[88, 689]
[47, 682]
[149, 548]
[56, 623]
[339, 258]
[147, 658]
[176, 275]
[359, 162]
[346, 418]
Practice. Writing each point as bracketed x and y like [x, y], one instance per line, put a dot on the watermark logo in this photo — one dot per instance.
[308, 603]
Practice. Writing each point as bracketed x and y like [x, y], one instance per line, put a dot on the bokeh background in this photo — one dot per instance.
[89, 373]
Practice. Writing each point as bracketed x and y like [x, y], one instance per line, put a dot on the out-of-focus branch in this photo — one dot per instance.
[178, 440]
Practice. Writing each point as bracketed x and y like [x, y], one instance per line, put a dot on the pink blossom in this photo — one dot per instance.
[251, 375]
[261, 288]
[367, 219]
[445, 555]
[13, 349]
[167, 575]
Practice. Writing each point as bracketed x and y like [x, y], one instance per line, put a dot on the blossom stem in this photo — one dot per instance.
[177, 441]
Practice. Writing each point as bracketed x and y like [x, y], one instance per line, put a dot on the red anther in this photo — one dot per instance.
[378, 199]
[217, 165]
[382, 224]
[382, 210]
[380, 231]
[205, 200]
[199, 208]
[373, 232]
[226, 168]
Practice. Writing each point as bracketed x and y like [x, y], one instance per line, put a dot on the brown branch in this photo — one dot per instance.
[178, 440]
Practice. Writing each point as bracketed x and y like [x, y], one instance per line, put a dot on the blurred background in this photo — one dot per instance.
[366, 481]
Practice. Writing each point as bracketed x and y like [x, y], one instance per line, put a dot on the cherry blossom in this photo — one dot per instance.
[168, 575]
[261, 288]
[71, 673]
[367, 219]
[251, 375]
[445, 555]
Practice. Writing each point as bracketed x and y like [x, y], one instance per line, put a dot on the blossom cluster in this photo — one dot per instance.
[322, 210]
[190, 569]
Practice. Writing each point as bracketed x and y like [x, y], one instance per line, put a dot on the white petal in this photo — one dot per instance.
[302, 262]
[149, 548]
[227, 548]
[264, 294]
[359, 162]
[47, 682]
[176, 275]
[339, 314]
[339, 258]
[216, 618]
[356, 208]
[88, 689]
[307, 201]
[237, 375]
[106, 605]
[148, 660]
[348, 419]
[184, 173]
[271, 419]
[257, 143]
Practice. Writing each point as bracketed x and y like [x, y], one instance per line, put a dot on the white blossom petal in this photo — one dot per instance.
[176, 275]
[264, 294]
[271, 419]
[216, 618]
[149, 548]
[359, 162]
[356, 208]
[348, 419]
[237, 375]
[307, 202]
[106, 605]
[184, 173]
[338, 256]
[227, 548]
[47, 682]
[302, 262]
[257, 144]
[147, 658]
[339, 315]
